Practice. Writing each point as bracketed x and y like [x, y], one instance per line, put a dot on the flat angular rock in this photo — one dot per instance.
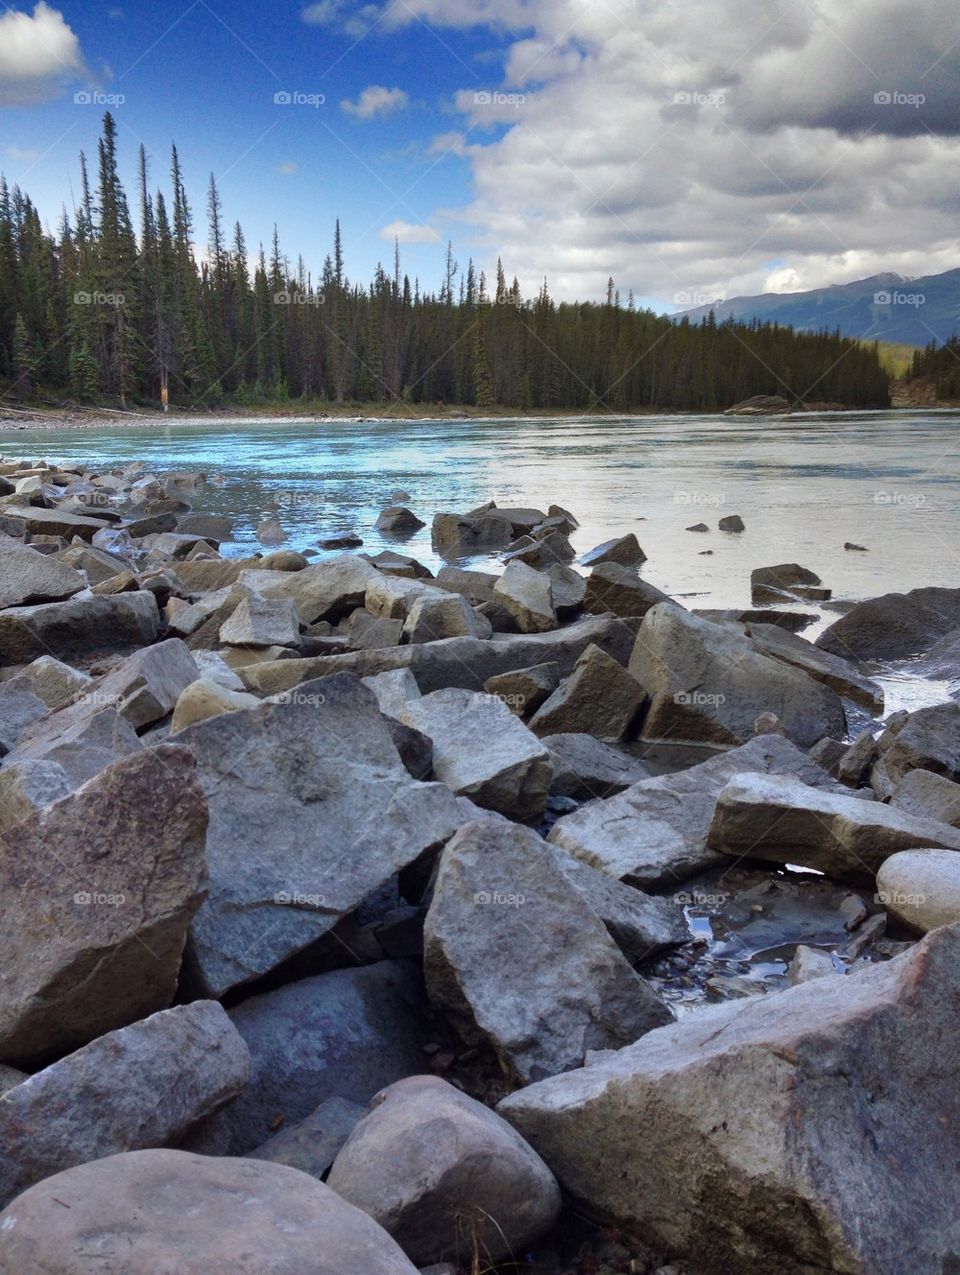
[312, 1144]
[142, 1086]
[326, 590]
[445, 1175]
[48, 522]
[791, 1118]
[778, 819]
[528, 596]
[345, 1034]
[626, 551]
[393, 597]
[894, 626]
[773, 581]
[19, 708]
[475, 586]
[564, 989]
[598, 698]
[365, 632]
[330, 822]
[832, 670]
[262, 622]
[161, 1211]
[585, 768]
[55, 682]
[654, 834]
[28, 577]
[433, 618]
[618, 589]
[97, 894]
[928, 740]
[524, 690]
[569, 591]
[77, 752]
[206, 698]
[216, 527]
[482, 751]
[708, 685]
[928, 795]
[80, 627]
[921, 888]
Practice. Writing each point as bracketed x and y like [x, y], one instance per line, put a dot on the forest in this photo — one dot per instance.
[939, 365]
[121, 306]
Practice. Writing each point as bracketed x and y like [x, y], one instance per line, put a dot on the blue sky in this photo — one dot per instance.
[691, 149]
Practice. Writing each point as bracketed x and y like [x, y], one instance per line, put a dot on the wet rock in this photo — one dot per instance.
[28, 577]
[99, 889]
[894, 626]
[482, 751]
[921, 888]
[699, 526]
[598, 698]
[930, 796]
[142, 1086]
[768, 584]
[262, 622]
[928, 740]
[312, 1144]
[19, 520]
[625, 550]
[849, 545]
[345, 1034]
[778, 819]
[565, 988]
[399, 521]
[617, 589]
[161, 1210]
[340, 540]
[585, 768]
[760, 405]
[732, 522]
[528, 596]
[832, 670]
[791, 1117]
[445, 1175]
[216, 527]
[80, 628]
[330, 825]
[462, 535]
[524, 690]
[270, 532]
[655, 833]
[708, 684]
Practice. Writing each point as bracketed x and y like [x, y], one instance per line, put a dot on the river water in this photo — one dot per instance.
[804, 485]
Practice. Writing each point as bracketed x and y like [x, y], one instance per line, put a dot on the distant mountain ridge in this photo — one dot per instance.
[884, 307]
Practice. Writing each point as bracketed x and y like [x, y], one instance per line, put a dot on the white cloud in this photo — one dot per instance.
[376, 100]
[287, 167]
[354, 22]
[406, 233]
[24, 154]
[39, 56]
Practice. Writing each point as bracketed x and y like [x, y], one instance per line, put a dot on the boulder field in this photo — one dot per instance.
[361, 920]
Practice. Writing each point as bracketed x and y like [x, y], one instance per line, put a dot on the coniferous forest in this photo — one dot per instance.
[128, 303]
[940, 365]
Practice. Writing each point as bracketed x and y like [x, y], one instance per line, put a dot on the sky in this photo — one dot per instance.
[693, 150]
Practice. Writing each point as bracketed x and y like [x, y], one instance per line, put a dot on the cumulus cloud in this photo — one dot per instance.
[376, 100]
[407, 233]
[714, 147]
[39, 56]
[350, 19]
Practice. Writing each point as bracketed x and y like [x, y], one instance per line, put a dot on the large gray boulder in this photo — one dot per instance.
[445, 1176]
[161, 1212]
[97, 893]
[55, 682]
[311, 809]
[483, 751]
[598, 698]
[345, 1034]
[654, 834]
[311, 1145]
[436, 616]
[709, 684]
[261, 621]
[894, 626]
[780, 1134]
[28, 577]
[528, 595]
[618, 589]
[585, 768]
[928, 740]
[625, 551]
[326, 590]
[519, 961]
[923, 793]
[81, 627]
[778, 819]
[832, 670]
[19, 709]
[145, 1085]
[921, 888]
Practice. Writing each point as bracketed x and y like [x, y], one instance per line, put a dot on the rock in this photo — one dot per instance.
[617, 589]
[791, 1117]
[565, 989]
[928, 740]
[760, 405]
[827, 753]
[207, 698]
[345, 1034]
[95, 564]
[462, 535]
[283, 560]
[394, 596]
[312, 1144]
[524, 690]
[528, 596]
[783, 619]
[142, 1086]
[770, 583]
[262, 622]
[921, 888]
[393, 690]
[330, 824]
[778, 819]
[445, 1175]
[699, 526]
[832, 670]
[857, 759]
[398, 521]
[55, 682]
[708, 685]
[28, 577]
[340, 540]
[849, 545]
[584, 768]
[9, 1076]
[432, 618]
[626, 551]
[475, 586]
[98, 891]
[365, 632]
[216, 527]
[162, 1211]
[19, 708]
[809, 963]
[203, 576]
[271, 532]
[569, 591]
[80, 627]
[598, 698]
[482, 751]
[928, 795]
[325, 590]
[732, 522]
[654, 834]
[32, 520]
[894, 626]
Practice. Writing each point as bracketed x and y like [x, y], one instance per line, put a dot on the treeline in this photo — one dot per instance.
[116, 306]
[939, 364]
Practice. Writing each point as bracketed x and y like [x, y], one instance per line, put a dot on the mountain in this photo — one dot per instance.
[885, 307]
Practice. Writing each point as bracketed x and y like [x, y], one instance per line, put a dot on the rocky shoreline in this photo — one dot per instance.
[364, 920]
